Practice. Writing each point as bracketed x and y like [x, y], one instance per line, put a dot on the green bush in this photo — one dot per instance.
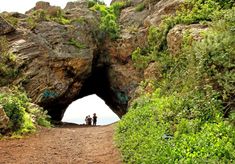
[40, 116]
[108, 19]
[185, 120]
[156, 130]
[22, 114]
[15, 105]
[91, 3]
[10, 19]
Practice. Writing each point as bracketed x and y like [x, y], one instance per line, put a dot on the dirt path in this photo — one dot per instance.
[67, 145]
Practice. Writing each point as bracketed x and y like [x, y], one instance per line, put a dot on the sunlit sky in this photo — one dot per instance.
[24, 5]
[77, 111]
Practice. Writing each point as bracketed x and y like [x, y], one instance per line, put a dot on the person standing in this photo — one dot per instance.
[89, 120]
[94, 119]
[86, 120]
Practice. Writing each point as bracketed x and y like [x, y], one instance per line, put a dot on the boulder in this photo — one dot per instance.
[162, 9]
[5, 27]
[176, 35]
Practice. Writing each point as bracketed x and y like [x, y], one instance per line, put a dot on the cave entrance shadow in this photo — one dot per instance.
[77, 111]
[99, 82]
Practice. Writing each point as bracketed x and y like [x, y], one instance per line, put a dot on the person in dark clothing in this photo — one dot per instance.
[89, 120]
[94, 119]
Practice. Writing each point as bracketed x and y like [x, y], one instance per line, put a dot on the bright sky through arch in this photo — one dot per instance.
[24, 5]
[78, 110]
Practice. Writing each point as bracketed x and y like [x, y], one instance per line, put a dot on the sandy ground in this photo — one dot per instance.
[69, 144]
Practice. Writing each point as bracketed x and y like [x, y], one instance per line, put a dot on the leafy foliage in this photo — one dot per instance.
[161, 129]
[108, 20]
[10, 19]
[76, 43]
[22, 114]
[54, 14]
[92, 3]
[184, 119]
[140, 7]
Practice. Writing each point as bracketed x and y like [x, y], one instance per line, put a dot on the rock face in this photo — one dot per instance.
[5, 27]
[176, 35]
[4, 120]
[59, 63]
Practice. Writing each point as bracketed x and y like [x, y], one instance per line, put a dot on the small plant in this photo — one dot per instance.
[140, 7]
[76, 43]
[91, 3]
[140, 58]
[53, 14]
[10, 19]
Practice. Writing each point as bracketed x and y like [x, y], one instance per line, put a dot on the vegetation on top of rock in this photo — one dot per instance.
[108, 19]
[23, 115]
[91, 3]
[140, 7]
[76, 43]
[189, 118]
[10, 19]
[53, 14]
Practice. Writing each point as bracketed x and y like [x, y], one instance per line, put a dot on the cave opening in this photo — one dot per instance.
[98, 83]
[79, 109]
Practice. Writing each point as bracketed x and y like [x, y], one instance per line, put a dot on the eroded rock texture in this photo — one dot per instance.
[60, 63]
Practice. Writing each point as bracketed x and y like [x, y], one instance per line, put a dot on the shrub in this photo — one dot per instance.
[183, 121]
[91, 3]
[10, 19]
[108, 20]
[22, 114]
[15, 104]
[39, 115]
[156, 130]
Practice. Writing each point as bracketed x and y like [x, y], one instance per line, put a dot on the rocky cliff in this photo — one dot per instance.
[59, 60]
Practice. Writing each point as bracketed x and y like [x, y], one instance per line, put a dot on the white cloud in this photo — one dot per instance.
[25, 5]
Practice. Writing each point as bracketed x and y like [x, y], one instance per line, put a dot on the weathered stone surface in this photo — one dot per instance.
[4, 120]
[132, 2]
[5, 27]
[153, 71]
[161, 9]
[176, 34]
[61, 63]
